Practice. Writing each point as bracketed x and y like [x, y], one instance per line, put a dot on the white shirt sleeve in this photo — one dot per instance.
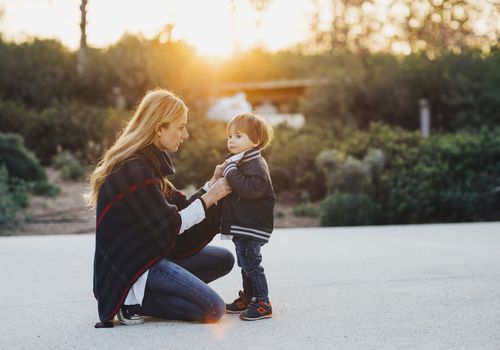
[206, 187]
[191, 215]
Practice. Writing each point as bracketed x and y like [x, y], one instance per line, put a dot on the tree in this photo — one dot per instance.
[82, 53]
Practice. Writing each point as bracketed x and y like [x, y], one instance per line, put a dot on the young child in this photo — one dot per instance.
[247, 213]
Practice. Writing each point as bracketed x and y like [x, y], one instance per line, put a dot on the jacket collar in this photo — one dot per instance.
[246, 156]
[166, 166]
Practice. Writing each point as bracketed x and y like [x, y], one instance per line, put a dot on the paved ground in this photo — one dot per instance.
[387, 287]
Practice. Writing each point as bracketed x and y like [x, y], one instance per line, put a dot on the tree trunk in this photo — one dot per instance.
[82, 53]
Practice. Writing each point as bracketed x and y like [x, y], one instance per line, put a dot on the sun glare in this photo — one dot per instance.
[212, 27]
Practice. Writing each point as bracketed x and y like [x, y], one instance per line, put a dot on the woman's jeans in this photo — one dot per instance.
[176, 289]
[249, 259]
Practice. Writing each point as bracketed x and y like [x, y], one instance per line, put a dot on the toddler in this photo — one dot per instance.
[247, 213]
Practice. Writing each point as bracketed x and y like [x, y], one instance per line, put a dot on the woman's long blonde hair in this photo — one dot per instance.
[157, 106]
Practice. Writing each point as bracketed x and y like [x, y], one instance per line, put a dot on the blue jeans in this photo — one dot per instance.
[249, 259]
[176, 289]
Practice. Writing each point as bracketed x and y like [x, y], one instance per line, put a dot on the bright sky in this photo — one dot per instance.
[206, 24]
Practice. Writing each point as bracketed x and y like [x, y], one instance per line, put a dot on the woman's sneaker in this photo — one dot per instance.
[126, 317]
[257, 310]
[238, 305]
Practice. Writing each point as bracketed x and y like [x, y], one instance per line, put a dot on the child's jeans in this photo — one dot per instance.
[249, 258]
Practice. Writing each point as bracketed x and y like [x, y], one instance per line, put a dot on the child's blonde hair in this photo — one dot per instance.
[256, 127]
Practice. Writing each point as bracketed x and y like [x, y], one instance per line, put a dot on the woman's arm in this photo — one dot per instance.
[195, 212]
[196, 236]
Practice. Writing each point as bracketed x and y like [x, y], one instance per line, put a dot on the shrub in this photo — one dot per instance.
[348, 174]
[292, 155]
[24, 169]
[45, 188]
[69, 166]
[306, 209]
[20, 162]
[83, 130]
[349, 209]
[13, 197]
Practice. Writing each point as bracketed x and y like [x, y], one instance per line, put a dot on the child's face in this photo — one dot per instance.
[238, 141]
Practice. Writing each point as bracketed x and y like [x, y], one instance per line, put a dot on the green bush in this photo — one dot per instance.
[349, 209]
[45, 188]
[13, 198]
[69, 166]
[24, 169]
[444, 178]
[20, 163]
[348, 174]
[306, 209]
[80, 129]
[292, 155]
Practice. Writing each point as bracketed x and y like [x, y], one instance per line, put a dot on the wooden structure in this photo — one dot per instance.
[277, 92]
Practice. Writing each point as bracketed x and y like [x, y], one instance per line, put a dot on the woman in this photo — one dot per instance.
[151, 256]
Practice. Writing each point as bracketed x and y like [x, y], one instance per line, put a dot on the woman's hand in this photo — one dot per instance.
[219, 169]
[218, 190]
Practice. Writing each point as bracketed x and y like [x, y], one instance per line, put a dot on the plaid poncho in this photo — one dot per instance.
[137, 225]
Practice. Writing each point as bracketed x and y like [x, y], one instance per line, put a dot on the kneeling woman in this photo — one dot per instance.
[151, 256]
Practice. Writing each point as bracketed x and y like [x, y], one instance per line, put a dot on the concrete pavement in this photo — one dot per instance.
[385, 287]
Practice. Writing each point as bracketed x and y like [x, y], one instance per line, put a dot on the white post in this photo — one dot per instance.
[425, 117]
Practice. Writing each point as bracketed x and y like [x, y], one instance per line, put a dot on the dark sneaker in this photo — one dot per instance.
[257, 310]
[126, 317]
[238, 305]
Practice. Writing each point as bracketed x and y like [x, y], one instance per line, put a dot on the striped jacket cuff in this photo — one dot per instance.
[228, 168]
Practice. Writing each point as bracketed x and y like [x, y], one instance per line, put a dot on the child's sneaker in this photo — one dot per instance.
[257, 310]
[127, 317]
[238, 305]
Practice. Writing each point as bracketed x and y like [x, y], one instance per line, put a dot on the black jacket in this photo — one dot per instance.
[137, 225]
[248, 210]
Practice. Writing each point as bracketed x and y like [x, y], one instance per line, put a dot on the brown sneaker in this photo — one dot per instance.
[238, 305]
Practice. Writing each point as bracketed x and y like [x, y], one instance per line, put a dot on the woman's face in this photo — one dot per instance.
[169, 138]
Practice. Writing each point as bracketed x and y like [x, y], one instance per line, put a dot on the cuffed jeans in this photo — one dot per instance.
[249, 258]
[177, 289]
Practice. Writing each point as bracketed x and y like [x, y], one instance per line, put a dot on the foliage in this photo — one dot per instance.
[463, 91]
[291, 157]
[13, 198]
[37, 73]
[81, 129]
[20, 163]
[349, 209]
[446, 178]
[307, 209]
[426, 25]
[44, 188]
[463, 88]
[69, 166]
[348, 174]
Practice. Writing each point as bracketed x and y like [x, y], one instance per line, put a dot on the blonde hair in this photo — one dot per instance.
[256, 127]
[157, 106]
